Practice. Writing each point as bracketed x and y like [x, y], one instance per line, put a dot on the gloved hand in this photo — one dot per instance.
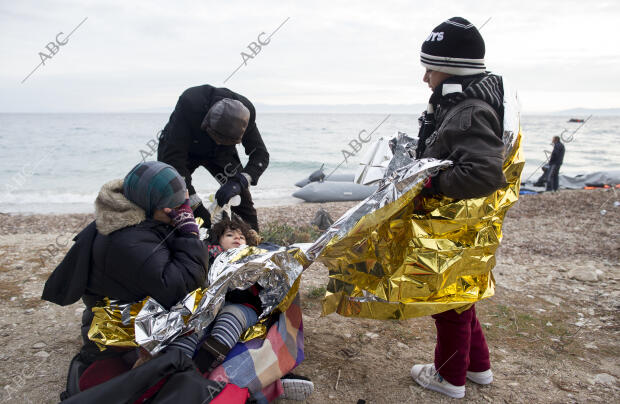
[202, 212]
[183, 218]
[233, 187]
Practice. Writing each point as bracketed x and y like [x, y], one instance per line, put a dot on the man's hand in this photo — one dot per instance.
[231, 188]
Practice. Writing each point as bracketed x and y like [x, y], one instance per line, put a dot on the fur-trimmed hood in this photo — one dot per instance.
[113, 211]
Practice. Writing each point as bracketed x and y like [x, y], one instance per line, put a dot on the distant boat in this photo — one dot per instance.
[340, 187]
[348, 187]
[575, 120]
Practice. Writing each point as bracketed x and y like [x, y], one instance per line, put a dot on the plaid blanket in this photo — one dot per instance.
[258, 364]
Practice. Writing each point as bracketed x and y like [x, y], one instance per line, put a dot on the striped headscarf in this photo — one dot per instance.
[154, 185]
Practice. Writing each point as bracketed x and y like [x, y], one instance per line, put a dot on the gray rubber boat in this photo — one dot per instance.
[334, 191]
[337, 187]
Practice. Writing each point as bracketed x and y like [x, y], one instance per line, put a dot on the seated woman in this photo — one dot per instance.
[143, 242]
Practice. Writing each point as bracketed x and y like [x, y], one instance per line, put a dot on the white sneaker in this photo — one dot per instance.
[427, 377]
[296, 389]
[485, 377]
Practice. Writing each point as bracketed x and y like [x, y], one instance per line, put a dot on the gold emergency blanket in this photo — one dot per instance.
[412, 256]
[419, 257]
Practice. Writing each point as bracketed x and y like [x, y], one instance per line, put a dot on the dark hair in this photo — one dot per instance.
[556, 139]
[221, 227]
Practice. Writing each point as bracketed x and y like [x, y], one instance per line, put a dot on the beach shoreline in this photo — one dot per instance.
[552, 326]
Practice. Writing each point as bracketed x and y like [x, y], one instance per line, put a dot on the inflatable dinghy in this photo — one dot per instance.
[334, 191]
[319, 175]
[348, 187]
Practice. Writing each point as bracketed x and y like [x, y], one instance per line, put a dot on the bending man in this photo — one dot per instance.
[203, 130]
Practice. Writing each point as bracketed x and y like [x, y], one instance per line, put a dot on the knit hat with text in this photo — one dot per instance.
[455, 47]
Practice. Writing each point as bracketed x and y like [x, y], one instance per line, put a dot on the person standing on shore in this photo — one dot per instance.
[463, 123]
[204, 128]
[555, 161]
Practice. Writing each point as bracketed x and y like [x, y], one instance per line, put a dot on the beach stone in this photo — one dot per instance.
[39, 345]
[42, 354]
[552, 299]
[605, 378]
[580, 323]
[590, 345]
[401, 345]
[372, 335]
[583, 274]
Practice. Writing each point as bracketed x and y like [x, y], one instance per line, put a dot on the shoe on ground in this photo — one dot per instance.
[296, 387]
[485, 377]
[427, 377]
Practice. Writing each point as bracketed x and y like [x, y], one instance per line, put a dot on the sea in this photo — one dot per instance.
[56, 163]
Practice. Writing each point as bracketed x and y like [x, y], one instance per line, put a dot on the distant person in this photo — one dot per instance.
[463, 123]
[542, 180]
[555, 161]
[203, 130]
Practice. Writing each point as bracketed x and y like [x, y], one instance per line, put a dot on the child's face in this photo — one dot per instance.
[231, 239]
[434, 78]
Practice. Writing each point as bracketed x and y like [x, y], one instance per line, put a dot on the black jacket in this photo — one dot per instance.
[557, 155]
[129, 265]
[149, 259]
[182, 139]
[470, 134]
[124, 256]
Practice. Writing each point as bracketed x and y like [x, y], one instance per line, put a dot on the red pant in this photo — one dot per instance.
[460, 345]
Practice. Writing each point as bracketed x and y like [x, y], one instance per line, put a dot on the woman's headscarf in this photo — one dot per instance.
[154, 185]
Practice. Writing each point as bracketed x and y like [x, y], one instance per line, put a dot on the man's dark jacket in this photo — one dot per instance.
[557, 155]
[470, 134]
[182, 139]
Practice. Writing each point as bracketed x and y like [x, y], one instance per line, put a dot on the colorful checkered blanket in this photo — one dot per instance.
[258, 364]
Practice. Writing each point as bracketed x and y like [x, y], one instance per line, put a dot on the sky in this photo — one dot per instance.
[138, 56]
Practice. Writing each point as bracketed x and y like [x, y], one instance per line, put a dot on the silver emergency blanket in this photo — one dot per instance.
[238, 268]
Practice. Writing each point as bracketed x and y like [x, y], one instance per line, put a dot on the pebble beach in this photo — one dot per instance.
[552, 327]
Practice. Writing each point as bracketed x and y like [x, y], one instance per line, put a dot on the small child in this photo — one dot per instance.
[241, 308]
[227, 234]
[241, 311]
[463, 123]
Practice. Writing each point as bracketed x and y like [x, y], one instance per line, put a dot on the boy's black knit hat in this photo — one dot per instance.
[455, 47]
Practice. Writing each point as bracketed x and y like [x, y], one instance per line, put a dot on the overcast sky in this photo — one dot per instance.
[140, 55]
